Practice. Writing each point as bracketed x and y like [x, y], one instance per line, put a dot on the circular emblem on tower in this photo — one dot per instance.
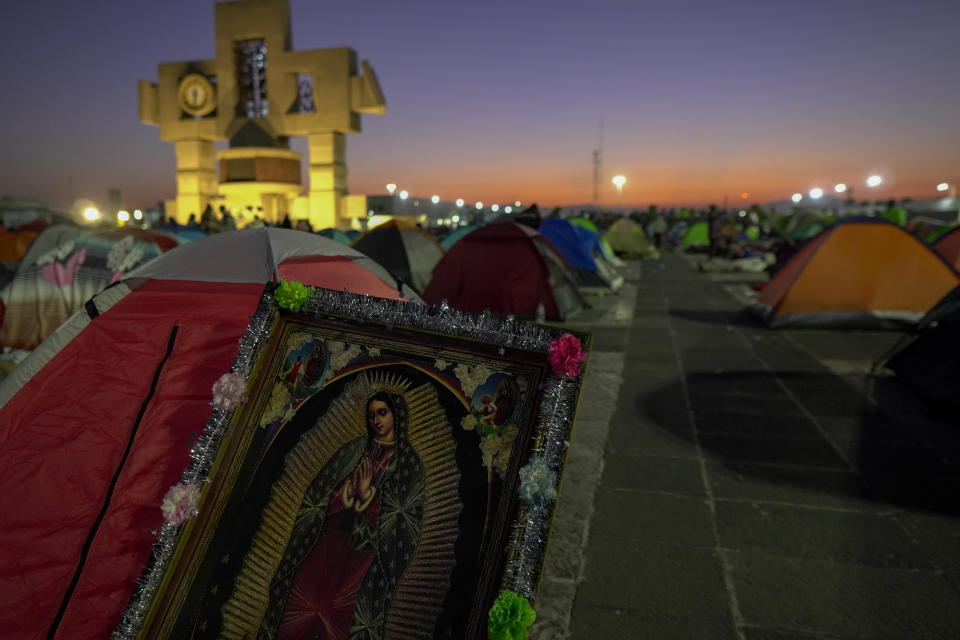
[197, 95]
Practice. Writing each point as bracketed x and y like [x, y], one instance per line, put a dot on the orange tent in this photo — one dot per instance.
[13, 244]
[949, 247]
[862, 273]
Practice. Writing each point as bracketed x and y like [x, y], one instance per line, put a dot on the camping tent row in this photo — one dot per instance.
[96, 424]
[858, 273]
[534, 267]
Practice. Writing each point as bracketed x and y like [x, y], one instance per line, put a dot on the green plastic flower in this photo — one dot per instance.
[292, 294]
[510, 617]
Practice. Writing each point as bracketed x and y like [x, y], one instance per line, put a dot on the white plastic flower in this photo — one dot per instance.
[341, 354]
[495, 449]
[538, 483]
[229, 390]
[276, 405]
[471, 377]
[180, 503]
[440, 364]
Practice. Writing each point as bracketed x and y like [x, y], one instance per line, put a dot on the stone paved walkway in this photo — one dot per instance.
[730, 482]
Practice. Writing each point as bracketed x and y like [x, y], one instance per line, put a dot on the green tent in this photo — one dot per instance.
[807, 230]
[626, 238]
[698, 235]
[896, 214]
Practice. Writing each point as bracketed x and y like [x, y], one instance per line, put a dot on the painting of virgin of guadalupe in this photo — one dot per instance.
[355, 537]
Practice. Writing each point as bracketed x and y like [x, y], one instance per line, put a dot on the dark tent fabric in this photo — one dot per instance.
[930, 363]
[507, 268]
[134, 368]
[530, 217]
[403, 249]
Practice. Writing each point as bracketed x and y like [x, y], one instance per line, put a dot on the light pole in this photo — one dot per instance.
[840, 188]
[619, 181]
[952, 189]
[873, 182]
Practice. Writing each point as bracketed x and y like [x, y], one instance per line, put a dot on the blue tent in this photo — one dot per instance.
[451, 238]
[184, 233]
[582, 249]
[574, 242]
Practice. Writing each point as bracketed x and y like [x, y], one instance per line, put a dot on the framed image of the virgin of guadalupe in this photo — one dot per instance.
[372, 470]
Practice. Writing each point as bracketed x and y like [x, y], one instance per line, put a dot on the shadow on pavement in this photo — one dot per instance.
[891, 451]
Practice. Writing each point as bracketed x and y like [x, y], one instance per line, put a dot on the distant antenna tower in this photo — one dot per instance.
[597, 162]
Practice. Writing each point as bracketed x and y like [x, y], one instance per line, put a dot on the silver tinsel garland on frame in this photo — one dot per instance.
[552, 429]
[529, 534]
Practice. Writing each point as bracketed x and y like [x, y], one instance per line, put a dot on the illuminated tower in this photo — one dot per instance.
[257, 93]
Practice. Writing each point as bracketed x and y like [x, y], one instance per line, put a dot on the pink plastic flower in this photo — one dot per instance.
[566, 354]
[229, 390]
[180, 503]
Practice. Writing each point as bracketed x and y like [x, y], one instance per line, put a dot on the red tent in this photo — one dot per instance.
[949, 247]
[506, 268]
[95, 425]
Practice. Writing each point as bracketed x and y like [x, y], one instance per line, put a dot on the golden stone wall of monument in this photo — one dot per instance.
[194, 103]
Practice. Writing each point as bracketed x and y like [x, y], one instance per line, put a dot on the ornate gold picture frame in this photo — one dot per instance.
[360, 476]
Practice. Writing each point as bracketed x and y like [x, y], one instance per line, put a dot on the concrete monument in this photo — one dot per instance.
[256, 94]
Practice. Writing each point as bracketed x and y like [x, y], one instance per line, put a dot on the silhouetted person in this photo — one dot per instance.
[286, 224]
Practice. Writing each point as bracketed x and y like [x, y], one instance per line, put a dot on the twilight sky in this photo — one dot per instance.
[501, 100]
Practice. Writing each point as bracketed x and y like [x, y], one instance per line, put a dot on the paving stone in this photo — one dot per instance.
[564, 555]
[653, 580]
[595, 623]
[773, 405]
[746, 424]
[553, 606]
[806, 532]
[771, 450]
[648, 439]
[790, 484]
[678, 476]
[654, 517]
[842, 599]
[938, 536]
[757, 633]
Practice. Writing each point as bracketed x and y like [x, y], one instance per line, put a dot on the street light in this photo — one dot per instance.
[137, 214]
[797, 197]
[873, 182]
[459, 202]
[952, 188]
[404, 195]
[517, 203]
[479, 205]
[434, 199]
[91, 214]
[391, 187]
[816, 193]
[494, 208]
[619, 181]
[123, 216]
[508, 209]
[840, 188]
